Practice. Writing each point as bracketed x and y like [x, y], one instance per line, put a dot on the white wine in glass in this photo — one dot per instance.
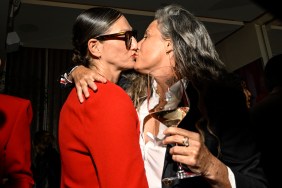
[168, 103]
[170, 117]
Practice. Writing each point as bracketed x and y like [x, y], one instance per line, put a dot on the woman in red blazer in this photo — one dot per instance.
[15, 142]
[99, 139]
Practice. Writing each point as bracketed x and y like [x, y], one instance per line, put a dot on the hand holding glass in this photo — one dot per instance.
[168, 102]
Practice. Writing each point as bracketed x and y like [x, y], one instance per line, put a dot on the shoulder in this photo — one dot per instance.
[107, 95]
[109, 92]
[15, 105]
[7, 100]
[15, 111]
[113, 88]
[108, 89]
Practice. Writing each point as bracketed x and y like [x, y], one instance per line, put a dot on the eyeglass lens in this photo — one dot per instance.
[128, 38]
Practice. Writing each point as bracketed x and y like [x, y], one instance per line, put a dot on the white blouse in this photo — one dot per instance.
[153, 151]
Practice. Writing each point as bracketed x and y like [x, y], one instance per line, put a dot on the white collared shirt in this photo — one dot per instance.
[153, 152]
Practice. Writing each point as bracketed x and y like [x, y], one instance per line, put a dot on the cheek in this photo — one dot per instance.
[118, 55]
[149, 56]
[114, 46]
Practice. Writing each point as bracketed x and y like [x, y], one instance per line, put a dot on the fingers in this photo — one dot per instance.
[100, 78]
[79, 93]
[191, 151]
[93, 86]
[195, 154]
[87, 82]
[188, 145]
[181, 141]
[176, 135]
[175, 130]
[82, 90]
[84, 78]
[85, 91]
[80, 96]
[184, 156]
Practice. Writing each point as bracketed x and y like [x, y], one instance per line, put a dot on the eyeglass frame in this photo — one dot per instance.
[125, 35]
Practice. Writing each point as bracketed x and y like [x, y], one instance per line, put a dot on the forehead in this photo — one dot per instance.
[153, 27]
[120, 25]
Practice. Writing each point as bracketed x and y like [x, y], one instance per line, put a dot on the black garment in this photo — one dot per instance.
[229, 120]
[267, 121]
[47, 169]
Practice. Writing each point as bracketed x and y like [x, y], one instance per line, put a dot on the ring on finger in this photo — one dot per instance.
[185, 141]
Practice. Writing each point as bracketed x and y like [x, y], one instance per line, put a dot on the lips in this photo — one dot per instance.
[135, 55]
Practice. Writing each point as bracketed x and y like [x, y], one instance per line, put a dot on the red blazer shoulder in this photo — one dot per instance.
[15, 142]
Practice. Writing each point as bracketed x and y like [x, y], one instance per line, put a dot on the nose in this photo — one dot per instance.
[134, 43]
[139, 44]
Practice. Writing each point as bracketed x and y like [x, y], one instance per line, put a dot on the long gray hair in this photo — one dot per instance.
[194, 52]
[195, 56]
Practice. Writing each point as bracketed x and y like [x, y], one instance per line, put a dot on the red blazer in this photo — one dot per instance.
[15, 142]
[99, 141]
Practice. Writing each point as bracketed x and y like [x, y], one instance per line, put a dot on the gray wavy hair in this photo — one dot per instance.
[195, 56]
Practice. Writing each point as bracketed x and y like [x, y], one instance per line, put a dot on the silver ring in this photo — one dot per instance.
[185, 141]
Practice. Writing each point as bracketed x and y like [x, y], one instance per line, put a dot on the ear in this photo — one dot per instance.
[93, 47]
[169, 52]
[168, 46]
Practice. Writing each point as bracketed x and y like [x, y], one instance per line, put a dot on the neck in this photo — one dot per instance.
[108, 72]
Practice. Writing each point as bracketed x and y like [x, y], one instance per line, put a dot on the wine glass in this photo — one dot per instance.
[168, 103]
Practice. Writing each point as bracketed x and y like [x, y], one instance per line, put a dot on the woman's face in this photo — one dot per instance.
[153, 50]
[114, 51]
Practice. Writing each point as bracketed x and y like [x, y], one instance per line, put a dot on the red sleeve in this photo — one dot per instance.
[112, 128]
[18, 146]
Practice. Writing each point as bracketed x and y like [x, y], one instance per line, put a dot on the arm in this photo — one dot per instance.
[83, 78]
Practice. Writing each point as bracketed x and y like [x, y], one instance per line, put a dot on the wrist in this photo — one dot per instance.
[217, 174]
[68, 76]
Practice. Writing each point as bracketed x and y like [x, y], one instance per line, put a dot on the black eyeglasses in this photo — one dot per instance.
[126, 36]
